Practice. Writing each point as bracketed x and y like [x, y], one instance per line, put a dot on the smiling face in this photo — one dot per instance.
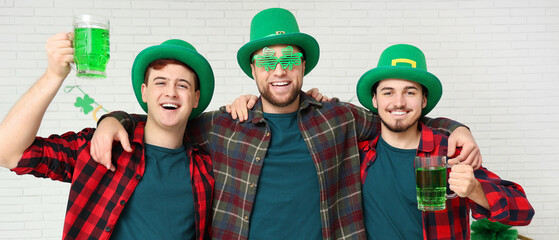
[399, 103]
[170, 96]
[279, 87]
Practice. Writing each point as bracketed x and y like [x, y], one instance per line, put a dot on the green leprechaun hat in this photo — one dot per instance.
[277, 26]
[184, 52]
[400, 61]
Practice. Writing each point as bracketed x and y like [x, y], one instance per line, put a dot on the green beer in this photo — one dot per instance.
[91, 53]
[431, 188]
[91, 45]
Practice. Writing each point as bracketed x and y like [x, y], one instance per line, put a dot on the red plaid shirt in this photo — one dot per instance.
[98, 196]
[507, 200]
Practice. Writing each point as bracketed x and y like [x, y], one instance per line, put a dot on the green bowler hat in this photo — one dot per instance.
[400, 61]
[277, 26]
[184, 52]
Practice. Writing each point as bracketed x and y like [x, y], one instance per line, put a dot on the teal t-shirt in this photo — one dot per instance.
[389, 195]
[287, 204]
[162, 205]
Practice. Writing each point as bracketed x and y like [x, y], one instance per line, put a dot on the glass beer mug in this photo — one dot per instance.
[432, 183]
[91, 46]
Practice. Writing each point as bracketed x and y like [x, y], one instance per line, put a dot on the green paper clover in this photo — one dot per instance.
[84, 103]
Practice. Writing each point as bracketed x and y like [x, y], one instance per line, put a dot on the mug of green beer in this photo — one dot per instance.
[431, 183]
[91, 46]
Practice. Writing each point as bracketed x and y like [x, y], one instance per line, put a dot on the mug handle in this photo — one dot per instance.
[73, 64]
[452, 194]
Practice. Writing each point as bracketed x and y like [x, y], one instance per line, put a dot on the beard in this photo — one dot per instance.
[398, 126]
[292, 96]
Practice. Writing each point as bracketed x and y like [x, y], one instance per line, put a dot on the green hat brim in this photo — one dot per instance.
[428, 80]
[189, 57]
[304, 41]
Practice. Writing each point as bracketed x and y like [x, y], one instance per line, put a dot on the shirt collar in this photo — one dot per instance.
[366, 146]
[139, 133]
[427, 141]
[139, 138]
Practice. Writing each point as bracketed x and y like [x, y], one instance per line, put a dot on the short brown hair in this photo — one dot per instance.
[161, 63]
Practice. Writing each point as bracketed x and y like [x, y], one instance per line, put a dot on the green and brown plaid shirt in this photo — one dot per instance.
[330, 130]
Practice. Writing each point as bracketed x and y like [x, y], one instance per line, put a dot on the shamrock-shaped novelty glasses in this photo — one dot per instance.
[269, 61]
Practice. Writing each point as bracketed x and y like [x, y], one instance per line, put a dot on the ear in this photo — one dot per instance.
[303, 64]
[144, 97]
[252, 67]
[375, 104]
[424, 102]
[196, 99]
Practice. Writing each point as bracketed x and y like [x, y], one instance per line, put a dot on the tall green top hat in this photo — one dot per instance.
[400, 61]
[181, 51]
[277, 26]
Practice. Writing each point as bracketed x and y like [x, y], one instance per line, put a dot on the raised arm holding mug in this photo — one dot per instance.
[162, 186]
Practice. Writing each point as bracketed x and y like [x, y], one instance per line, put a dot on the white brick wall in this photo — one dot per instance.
[498, 61]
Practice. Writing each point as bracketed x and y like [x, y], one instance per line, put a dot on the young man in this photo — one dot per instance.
[401, 91]
[162, 189]
[291, 171]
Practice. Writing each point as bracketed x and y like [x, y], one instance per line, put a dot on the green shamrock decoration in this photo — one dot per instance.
[84, 103]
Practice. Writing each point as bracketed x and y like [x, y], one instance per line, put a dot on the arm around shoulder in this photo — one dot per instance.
[115, 126]
[367, 123]
[459, 136]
